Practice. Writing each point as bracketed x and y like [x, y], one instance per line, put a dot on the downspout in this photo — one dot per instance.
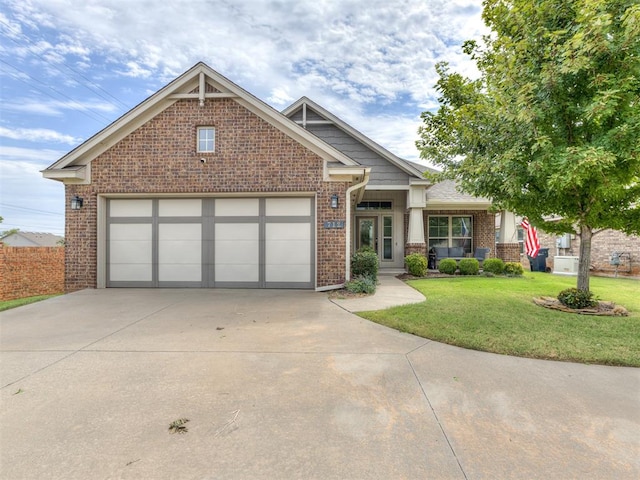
[366, 172]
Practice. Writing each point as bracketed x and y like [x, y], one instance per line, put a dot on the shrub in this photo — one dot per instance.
[574, 298]
[469, 266]
[493, 265]
[361, 284]
[416, 264]
[448, 266]
[513, 269]
[365, 263]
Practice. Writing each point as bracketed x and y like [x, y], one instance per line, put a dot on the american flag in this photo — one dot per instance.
[531, 242]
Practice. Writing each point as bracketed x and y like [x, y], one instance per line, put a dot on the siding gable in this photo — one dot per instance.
[386, 168]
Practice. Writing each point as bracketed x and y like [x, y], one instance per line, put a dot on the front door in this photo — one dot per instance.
[367, 233]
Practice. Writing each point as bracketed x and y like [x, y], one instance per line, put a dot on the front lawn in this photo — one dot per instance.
[498, 315]
[7, 304]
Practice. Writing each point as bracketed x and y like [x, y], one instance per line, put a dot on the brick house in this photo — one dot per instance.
[204, 185]
[604, 244]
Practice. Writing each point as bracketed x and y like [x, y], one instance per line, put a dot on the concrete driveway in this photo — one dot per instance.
[287, 384]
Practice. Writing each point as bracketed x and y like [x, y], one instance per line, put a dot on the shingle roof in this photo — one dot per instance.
[447, 192]
[37, 238]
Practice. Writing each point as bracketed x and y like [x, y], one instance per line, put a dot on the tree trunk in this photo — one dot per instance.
[586, 232]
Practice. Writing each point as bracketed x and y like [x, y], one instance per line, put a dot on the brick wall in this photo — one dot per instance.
[160, 157]
[30, 271]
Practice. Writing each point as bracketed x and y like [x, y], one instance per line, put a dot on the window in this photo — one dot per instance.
[376, 205]
[451, 231]
[206, 139]
[387, 238]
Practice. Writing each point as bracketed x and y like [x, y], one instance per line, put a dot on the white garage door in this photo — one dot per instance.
[223, 242]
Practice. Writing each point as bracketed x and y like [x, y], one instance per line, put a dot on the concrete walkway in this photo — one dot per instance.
[390, 292]
[286, 384]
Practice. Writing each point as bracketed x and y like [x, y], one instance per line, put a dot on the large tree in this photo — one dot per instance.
[551, 128]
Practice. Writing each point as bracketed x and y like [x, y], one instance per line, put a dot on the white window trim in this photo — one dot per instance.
[450, 236]
[203, 128]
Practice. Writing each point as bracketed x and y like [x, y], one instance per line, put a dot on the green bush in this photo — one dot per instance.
[574, 298]
[448, 266]
[361, 284]
[469, 266]
[416, 264]
[365, 263]
[493, 265]
[513, 269]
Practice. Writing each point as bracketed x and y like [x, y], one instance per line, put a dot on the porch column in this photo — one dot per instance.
[416, 202]
[507, 247]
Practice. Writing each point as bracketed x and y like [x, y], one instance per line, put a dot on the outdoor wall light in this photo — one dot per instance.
[76, 202]
[334, 201]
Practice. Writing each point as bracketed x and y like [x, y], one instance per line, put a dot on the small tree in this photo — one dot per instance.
[551, 127]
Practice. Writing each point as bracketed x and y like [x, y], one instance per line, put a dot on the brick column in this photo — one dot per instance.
[410, 248]
[508, 252]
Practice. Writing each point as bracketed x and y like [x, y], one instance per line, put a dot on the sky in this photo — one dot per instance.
[69, 68]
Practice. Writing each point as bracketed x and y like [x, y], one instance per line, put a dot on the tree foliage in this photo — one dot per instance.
[552, 126]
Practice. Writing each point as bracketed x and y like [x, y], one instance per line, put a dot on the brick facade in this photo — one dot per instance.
[30, 271]
[160, 157]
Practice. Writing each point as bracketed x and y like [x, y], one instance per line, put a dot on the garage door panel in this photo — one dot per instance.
[130, 231]
[131, 251]
[287, 207]
[288, 253]
[237, 273]
[237, 207]
[130, 208]
[288, 273]
[173, 272]
[130, 272]
[186, 207]
[237, 231]
[288, 231]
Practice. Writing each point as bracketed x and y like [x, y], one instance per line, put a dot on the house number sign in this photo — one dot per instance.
[334, 224]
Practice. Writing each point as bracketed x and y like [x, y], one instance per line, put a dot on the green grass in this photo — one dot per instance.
[498, 315]
[7, 304]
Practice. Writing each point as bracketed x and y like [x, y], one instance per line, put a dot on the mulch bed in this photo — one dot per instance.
[607, 309]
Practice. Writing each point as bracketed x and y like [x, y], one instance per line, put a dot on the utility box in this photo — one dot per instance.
[566, 265]
[564, 241]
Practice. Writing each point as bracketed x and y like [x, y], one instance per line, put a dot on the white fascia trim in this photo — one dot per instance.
[80, 174]
[431, 205]
[387, 187]
[419, 181]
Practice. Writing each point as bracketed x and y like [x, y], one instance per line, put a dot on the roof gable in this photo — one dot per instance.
[314, 114]
[202, 83]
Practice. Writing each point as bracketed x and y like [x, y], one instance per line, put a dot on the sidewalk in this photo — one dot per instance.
[390, 292]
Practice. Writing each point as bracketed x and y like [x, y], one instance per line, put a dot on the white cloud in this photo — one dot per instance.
[38, 135]
[369, 62]
[20, 155]
[58, 107]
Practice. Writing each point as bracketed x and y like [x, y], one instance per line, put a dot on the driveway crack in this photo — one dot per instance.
[433, 411]
[85, 347]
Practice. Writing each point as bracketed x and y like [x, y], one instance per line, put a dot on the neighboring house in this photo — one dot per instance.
[32, 239]
[204, 185]
[605, 246]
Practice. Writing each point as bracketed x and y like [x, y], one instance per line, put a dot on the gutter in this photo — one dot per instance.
[366, 172]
